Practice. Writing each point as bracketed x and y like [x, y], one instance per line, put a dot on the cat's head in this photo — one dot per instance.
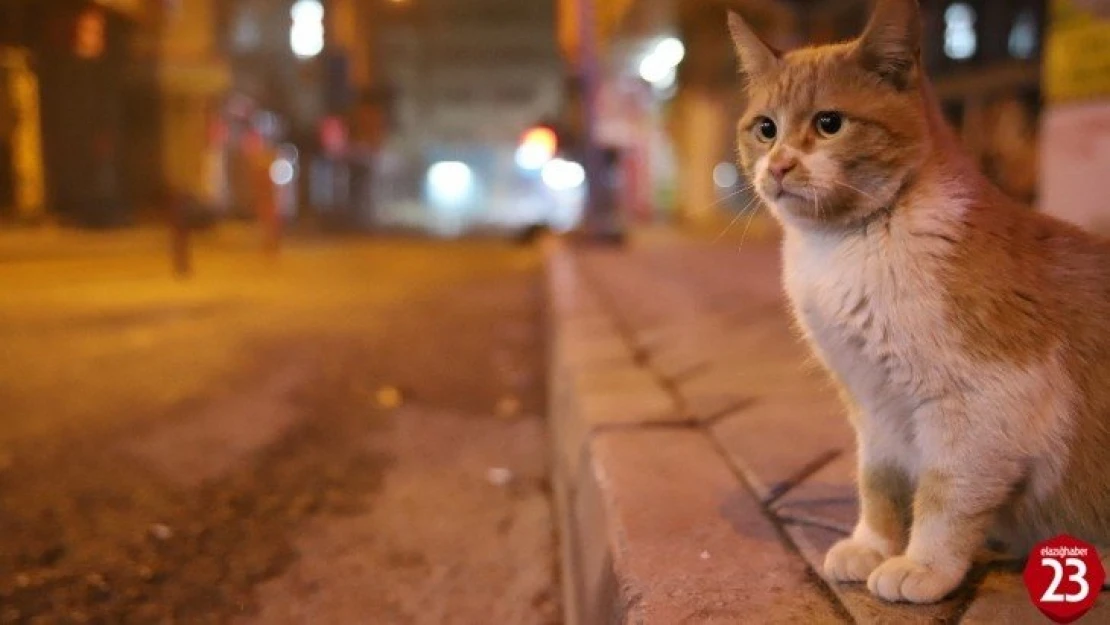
[832, 133]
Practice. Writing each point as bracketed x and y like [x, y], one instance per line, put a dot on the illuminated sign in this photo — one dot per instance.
[1077, 54]
[89, 34]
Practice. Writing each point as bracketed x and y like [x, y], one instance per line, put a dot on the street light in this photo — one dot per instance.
[660, 65]
[306, 37]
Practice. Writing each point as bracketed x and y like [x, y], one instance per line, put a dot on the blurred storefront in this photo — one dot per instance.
[81, 96]
[301, 74]
[81, 55]
[1075, 148]
[626, 117]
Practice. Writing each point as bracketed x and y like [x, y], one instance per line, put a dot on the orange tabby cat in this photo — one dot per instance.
[970, 335]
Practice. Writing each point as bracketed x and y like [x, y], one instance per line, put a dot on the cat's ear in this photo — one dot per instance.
[891, 44]
[756, 57]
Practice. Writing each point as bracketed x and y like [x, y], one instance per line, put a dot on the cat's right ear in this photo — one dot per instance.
[756, 57]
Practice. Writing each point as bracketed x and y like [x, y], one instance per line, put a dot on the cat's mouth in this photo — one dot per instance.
[781, 192]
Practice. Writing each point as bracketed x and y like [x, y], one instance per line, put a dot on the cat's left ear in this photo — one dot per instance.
[891, 44]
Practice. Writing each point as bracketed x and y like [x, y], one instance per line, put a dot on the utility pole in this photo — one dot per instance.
[601, 221]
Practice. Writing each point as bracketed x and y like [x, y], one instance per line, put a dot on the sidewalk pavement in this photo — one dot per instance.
[702, 464]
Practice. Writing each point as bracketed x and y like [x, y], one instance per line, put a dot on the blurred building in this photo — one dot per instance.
[22, 183]
[109, 102]
[487, 70]
[68, 68]
[464, 79]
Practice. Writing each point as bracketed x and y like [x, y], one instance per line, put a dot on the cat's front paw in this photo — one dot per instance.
[851, 560]
[902, 579]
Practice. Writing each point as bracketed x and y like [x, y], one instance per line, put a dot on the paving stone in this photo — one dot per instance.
[682, 331]
[1002, 598]
[589, 352]
[714, 406]
[567, 294]
[763, 341]
[587, 400]
[828, 497]
[769, 379]
[680, 361]
[689, 543]
[587, 328]
[779, 436]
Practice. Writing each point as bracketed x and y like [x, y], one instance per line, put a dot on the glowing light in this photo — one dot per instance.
[960, 40]
[659, 66]
[281, 172]
[667, 81]
[308, 11]
[306, 37]
[563, 175]
[653, 69]
[450, 183]
[536, 148]
[1023, 36]
[671, 51]
[725, 175]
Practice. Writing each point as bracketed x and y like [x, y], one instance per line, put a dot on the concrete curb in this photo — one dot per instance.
[656, 526]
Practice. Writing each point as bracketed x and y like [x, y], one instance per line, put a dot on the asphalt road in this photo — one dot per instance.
[351, 433]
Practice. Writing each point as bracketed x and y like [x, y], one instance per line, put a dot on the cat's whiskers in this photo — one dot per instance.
[725, 198]
[752, 208]
[857, 190]
[738, 217]
[739, 214]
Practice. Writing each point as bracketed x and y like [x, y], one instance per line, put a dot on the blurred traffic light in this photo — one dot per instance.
[537, 147]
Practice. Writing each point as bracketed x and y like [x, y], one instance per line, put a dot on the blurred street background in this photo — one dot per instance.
[447, 117]
[271, 318]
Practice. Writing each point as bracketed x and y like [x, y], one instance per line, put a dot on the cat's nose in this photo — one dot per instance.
[779, 168]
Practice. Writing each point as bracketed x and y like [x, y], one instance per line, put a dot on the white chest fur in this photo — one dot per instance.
[873, 308]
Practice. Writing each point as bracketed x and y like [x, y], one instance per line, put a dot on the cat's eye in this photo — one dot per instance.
[828, 123]
[765, 130]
